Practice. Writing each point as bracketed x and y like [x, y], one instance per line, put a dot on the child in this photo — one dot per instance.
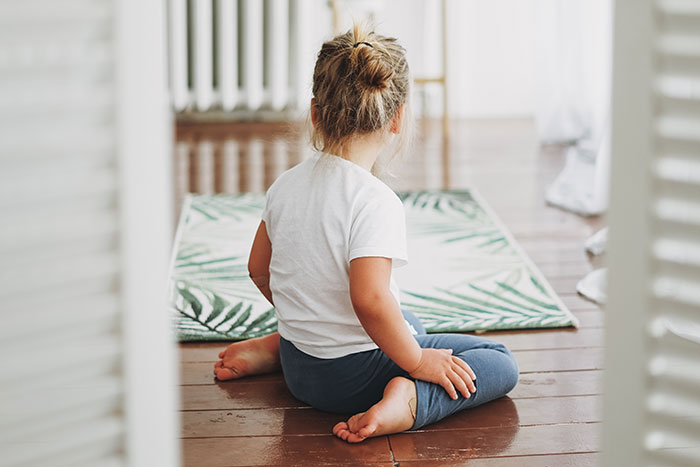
[330, 235]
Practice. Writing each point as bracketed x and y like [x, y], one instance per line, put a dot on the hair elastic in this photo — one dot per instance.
[358, 43]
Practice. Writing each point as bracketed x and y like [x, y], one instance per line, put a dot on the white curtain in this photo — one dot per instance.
[573, 43]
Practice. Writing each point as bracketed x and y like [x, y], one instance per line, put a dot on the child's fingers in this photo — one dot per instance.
[221, 354]
[218, 365]
[466, 367]
[459, 383]
[449, 387]
[466, 378]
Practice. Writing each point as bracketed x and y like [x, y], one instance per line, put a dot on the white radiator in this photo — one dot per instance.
[240, 56]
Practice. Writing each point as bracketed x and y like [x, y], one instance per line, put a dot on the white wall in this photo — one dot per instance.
[491, 50]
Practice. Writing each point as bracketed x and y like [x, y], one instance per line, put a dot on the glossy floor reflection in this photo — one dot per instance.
[553, 415]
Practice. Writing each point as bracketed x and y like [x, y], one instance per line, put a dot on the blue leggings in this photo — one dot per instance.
[355, 382]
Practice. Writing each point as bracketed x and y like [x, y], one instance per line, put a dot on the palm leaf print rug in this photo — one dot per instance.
[465, 271]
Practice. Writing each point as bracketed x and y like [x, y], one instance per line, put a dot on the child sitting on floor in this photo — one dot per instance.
[330, 235]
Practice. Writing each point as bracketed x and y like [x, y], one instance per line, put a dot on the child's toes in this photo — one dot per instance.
[367, 431]
[341, 431]
[340, 426]
[224, 373]
[354, 438]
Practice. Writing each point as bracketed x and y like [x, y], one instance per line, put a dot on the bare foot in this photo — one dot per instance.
[392, 414]
[250, 357]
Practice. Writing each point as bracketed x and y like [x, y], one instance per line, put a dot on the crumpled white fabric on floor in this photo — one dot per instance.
[594, 286]
[573, 188]
[574, 45]
[597, 243]
[582, 186]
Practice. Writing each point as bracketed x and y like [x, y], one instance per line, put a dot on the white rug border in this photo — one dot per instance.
[176, 242]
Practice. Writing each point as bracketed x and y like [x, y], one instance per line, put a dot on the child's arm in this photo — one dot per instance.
[381, 317]
[259, 261]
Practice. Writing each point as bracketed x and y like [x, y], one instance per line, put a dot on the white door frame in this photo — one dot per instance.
[627, 311]
[144, 145]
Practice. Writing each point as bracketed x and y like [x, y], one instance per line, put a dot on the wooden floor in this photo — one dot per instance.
[552, 417]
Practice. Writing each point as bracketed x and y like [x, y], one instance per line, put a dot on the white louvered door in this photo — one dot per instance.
[84, 235]
[652, 384]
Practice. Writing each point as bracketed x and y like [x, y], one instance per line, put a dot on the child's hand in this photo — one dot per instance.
[439, 366]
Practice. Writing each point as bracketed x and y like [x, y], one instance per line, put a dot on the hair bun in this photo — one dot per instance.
[360, 82]
[372, 71]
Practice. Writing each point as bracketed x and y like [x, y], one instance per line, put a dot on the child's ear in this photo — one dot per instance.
[314, 111]
[397, 120]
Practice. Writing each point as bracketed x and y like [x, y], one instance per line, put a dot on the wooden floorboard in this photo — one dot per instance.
[547, 340]
[552, 416]
[575, 302]
[496, 442]
[504, 412]
[554, 460]
[590, 318]
[537, 361]
[284, 450]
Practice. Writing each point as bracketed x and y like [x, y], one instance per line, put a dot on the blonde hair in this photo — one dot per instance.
[361, 80]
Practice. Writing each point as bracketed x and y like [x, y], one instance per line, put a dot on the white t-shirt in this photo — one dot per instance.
[319, 216]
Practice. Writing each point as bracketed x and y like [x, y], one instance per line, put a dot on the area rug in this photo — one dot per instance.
[465, 271]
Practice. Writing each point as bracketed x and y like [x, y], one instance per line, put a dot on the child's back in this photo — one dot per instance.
[320, 215]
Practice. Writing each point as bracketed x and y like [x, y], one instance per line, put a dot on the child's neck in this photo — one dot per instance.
[363, 150]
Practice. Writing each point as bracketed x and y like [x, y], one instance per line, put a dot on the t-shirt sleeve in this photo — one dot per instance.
[379, 229]
[266, 210]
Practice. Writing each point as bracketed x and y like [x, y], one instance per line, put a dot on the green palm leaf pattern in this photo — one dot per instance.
[465, 271]
[453, 216]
